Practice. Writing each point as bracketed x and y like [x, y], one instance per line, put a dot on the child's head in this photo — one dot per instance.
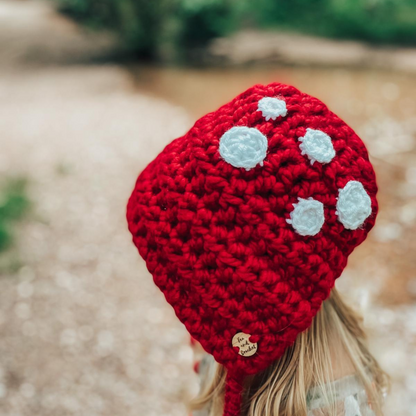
[333, 348]
[245, 223]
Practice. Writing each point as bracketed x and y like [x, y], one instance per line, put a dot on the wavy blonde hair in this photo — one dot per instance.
[334, 346]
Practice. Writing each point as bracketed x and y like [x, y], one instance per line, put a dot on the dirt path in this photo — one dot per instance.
[262, 47]
[83, 329]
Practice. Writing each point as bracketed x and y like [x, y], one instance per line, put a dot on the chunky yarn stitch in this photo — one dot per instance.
[219, 219]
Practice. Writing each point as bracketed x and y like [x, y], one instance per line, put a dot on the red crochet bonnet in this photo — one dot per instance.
[246, 221]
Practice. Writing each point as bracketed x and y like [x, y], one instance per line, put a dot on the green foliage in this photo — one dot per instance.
[13, 205]
[202, 20]
[155, 27]
[164, 28]
[138, 21]
[376, 21]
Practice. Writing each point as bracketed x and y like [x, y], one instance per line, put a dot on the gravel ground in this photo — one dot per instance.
[84, 331]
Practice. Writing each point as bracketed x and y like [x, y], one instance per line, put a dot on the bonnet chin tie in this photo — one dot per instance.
[233, 394]
[246, 221]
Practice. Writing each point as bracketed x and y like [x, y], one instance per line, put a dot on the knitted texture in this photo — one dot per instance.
[218, 231]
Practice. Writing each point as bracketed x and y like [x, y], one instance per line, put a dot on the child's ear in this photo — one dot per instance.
[198, 353]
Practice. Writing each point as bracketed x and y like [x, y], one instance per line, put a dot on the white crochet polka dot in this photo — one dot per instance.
[317, 145]
[243, 147]
[271, 108]
[307, 217]
[353, 206]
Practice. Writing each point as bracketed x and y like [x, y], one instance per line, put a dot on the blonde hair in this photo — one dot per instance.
[334, 346]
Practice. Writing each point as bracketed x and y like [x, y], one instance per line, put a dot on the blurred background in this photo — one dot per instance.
[90, 92]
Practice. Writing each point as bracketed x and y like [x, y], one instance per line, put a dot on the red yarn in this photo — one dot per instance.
[233, 395]
[215, 237]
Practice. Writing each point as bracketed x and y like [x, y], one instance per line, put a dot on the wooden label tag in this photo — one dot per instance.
[246, 348]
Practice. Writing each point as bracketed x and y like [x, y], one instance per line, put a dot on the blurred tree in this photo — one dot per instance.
[170, 28]
[140, 22]
[202, 20]
[157, 27]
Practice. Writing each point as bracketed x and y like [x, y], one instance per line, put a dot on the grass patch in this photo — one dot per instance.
[14, 204]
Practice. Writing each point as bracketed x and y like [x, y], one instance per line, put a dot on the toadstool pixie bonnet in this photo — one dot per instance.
[246, 221]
